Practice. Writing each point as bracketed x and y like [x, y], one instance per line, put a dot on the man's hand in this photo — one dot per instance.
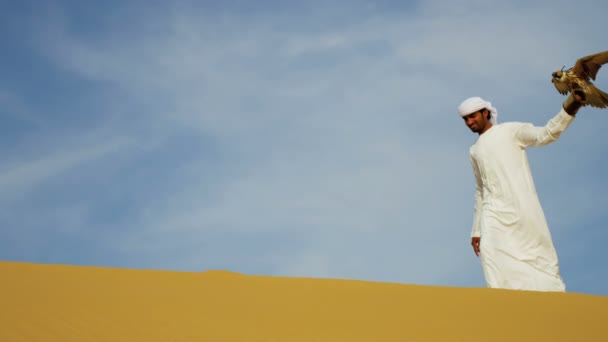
[475, 241]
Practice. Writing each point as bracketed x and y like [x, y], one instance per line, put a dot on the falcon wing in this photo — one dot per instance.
[588, 66]
[561, 87]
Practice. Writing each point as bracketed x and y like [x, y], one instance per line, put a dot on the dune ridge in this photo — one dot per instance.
[43, 302]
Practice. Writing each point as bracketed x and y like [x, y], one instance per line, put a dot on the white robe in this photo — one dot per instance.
[516, 249]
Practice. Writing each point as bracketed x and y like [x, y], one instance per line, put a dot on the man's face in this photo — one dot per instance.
[478, 121]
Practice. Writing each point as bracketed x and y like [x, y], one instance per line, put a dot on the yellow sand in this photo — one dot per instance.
[68, 303]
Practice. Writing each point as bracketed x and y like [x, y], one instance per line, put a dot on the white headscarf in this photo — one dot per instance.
[473, 104]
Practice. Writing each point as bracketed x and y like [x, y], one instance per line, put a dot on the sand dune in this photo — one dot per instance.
[69, 303]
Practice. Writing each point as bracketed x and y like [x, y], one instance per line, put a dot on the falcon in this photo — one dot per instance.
[578, 78]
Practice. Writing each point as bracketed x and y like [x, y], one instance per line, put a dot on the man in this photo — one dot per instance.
[510, 233]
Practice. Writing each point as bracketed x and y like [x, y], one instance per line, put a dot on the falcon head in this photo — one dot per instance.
[557, 76]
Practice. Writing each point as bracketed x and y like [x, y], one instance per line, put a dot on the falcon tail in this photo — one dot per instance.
[596, 97]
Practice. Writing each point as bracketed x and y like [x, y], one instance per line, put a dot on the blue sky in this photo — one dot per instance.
[314, 139]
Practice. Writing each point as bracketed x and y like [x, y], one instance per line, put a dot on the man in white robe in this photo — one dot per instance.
[510, 233]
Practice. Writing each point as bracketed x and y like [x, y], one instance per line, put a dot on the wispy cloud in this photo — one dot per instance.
[23, 176]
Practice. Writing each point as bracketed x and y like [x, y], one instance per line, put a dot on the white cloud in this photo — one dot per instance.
[23, 175]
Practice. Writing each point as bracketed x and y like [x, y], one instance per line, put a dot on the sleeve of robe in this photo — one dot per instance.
[530, 135]
[475, 232]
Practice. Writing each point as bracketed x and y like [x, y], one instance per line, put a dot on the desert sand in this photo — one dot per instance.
[73, 303]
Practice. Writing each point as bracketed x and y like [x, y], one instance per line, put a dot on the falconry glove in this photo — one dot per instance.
[572, 105]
